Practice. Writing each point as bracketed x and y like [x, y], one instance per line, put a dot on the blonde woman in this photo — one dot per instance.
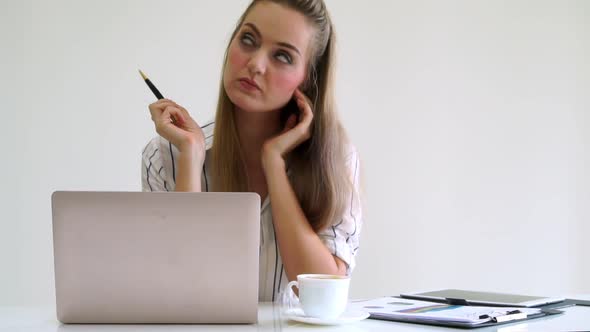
[277, 133]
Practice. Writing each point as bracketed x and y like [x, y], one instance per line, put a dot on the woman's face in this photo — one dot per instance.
[267, 59]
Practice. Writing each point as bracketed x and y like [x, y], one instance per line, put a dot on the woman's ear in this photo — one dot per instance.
[307, 88]
[304, 86]
[309, 85]
[307, 82]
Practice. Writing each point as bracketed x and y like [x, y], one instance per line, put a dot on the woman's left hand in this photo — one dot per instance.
[293, 134]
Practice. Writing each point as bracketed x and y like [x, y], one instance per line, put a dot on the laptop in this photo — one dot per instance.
[156, 257]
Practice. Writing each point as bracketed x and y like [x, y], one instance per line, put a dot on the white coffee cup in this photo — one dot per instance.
[321, 295]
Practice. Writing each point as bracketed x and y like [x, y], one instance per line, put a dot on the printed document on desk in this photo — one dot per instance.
[414, 311]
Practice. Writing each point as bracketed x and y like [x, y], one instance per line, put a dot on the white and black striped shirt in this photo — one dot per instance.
[341, 238]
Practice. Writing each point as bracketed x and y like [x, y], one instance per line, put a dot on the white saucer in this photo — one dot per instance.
[348, 316]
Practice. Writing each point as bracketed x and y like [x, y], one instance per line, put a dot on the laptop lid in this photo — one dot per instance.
[156, 257]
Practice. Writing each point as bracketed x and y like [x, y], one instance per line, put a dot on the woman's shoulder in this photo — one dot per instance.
[208, 130]
[351, 154]
[352, 161]
[154, 148]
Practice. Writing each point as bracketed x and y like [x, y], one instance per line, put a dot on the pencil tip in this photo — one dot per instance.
[142, 74]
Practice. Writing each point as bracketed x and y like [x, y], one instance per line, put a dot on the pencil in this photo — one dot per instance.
[151, 85]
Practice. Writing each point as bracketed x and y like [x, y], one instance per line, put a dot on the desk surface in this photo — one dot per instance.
[30, 319]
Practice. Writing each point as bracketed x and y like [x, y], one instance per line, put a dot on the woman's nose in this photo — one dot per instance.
[257, 64]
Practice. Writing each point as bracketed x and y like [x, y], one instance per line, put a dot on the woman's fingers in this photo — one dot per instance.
[182, 109]
[157, 111]
[304, 103]
[299, 95]
[172, 112]
[174, 123]
[306, 114]
[158, 107]
[291, 123]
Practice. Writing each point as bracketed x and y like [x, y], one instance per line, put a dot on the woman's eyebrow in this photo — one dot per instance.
[283, 44]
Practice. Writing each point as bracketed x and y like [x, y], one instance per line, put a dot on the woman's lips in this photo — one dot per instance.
[249, 84]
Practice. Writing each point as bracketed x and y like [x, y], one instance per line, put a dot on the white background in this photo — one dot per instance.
[471, 117]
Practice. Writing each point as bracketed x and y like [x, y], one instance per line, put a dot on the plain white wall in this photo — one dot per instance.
[471, 118]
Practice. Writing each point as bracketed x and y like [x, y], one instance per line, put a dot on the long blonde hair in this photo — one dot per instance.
[319, 172]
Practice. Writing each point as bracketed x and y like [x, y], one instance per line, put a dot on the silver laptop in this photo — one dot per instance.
[156, 257]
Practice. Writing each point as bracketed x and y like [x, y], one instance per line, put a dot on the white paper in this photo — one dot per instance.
[414, 310]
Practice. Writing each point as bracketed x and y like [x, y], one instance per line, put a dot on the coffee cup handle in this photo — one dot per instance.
[289, 297]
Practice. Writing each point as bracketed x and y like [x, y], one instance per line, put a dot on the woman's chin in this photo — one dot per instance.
[245, 103]
[249, 103]
[245, 106]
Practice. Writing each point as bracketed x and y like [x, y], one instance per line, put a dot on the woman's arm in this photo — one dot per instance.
[174, 123]
[302, 250]
[188, 178]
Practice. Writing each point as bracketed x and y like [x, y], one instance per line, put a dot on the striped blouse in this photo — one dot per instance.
[341, 238]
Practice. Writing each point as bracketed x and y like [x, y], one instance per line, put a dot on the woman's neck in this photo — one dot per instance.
[254, 128]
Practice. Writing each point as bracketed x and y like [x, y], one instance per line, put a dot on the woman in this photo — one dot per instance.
[276, 134]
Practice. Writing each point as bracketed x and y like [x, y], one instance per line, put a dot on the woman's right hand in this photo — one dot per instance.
[174, 123]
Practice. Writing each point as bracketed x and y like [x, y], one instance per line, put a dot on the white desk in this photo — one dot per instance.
[27, 319]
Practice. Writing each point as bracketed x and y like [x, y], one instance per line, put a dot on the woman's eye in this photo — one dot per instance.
[284, 57]
[247, 39]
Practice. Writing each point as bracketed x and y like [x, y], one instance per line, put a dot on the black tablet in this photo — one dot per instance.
[482, 298]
